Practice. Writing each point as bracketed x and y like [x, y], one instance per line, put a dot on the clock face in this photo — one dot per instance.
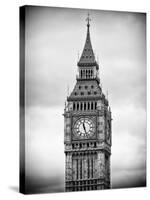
[84, 128]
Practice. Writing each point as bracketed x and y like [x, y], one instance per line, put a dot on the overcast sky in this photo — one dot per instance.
[54, 36]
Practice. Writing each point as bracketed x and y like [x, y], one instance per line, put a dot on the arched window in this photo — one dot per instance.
[77, 106]
[73, 106]
[81, 73]
[81, 169]
[84, 105]
[92, 106]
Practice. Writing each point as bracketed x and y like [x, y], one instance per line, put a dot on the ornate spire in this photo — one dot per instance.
[87, 57]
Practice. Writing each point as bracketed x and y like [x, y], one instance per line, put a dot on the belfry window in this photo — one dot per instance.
[73, 106]
[80, 169]
[84, 105]
[92, 106]
[81, 73]
[77, 106]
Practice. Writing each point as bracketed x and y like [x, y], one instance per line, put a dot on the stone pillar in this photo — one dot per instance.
[101, 128]
[97, 166]
[100, 164]
[94, 166]
[77, 177]
[85, 167]
[78, 167]
[90, 166]
[67, 129]
[68, 167]
[74, 168]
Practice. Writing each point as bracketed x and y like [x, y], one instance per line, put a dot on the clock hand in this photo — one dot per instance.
[84, 127]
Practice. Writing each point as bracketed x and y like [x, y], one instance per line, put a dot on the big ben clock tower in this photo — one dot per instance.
[87, 128]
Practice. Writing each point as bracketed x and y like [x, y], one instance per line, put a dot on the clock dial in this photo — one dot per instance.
[84, 128]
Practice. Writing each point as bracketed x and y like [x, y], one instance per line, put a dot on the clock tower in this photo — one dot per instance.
[87, 128]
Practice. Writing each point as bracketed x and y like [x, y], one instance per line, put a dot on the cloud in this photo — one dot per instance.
[129, 147]
[44, 149]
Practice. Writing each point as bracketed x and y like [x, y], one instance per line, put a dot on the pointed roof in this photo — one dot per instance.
[87, 57]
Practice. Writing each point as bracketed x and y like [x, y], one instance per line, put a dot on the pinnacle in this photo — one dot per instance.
[87, 56]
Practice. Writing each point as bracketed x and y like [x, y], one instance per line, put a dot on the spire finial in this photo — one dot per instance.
[88, 20]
